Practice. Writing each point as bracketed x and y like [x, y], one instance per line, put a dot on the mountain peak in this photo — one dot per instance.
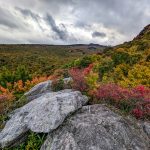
[144, 32]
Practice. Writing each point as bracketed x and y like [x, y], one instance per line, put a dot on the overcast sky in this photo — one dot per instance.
[106, 22]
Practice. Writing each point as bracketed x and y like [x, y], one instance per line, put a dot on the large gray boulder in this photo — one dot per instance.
[96, 127]
[43, 114]
[39, 89]
[146, 127]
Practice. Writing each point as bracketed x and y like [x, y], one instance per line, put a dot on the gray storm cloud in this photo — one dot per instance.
[62, 34]
[72, 21]
[98, 34]
[5, 19]
[29, 13]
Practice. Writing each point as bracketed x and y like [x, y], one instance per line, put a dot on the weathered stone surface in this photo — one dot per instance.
[39, 89]
[43, 88]
[146, 128]
[96, 127]
[43, 114]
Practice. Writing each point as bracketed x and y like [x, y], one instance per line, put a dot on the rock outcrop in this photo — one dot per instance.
[38, 90]
[43, 88]
[43, 114]
[146, 127]
[93, 127]
[96, 127]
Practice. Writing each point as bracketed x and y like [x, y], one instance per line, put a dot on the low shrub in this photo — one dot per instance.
[34, 141]
[6, 100]
[79, 82]
[142, 95]
[6, 104]
[135, 100]
[84, 79]
[91, 77]
[7, 76]
[57, 85]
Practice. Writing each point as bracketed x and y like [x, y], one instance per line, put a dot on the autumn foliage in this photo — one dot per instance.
[119, 76]
[135, 100]
[9, 95]
[78, 78]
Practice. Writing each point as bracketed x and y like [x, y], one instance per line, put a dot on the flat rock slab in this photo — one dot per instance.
[43, 114]
[96, 127]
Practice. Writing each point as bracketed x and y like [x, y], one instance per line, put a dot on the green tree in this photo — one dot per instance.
[106, 65]
[6, 76]
[22, 73]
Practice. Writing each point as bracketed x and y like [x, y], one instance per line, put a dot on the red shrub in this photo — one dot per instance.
[142, 96]
[87, 70]
[137, 113]
[78, 76]
[79, 82]
[141, 93]
[137, 99]
[113, 92]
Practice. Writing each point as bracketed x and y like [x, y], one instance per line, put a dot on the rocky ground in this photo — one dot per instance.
[71, 124]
